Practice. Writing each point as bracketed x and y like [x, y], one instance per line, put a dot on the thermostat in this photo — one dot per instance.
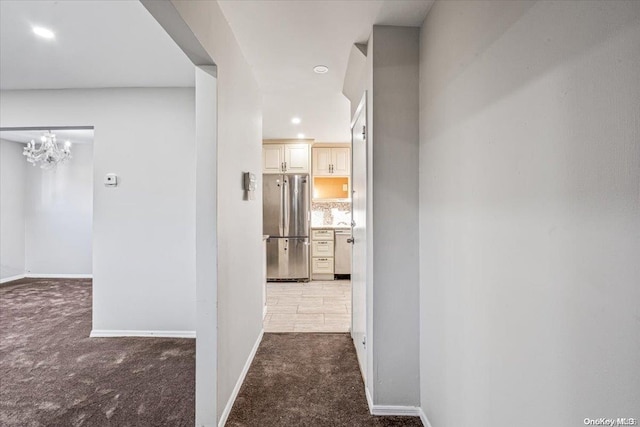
[110, 180]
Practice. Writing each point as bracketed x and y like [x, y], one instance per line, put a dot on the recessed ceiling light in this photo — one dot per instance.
[296, 120]
[300, 135]
[43, 32]
[320, 69]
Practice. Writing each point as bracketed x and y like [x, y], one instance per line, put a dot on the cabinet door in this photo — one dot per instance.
[272, 158]
[341, 161]
[321, 161]
[296, 157]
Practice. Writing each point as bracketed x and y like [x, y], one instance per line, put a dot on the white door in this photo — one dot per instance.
[358, 233]
[296, 158]
[340, 161]
[272, 158]
[321, 161]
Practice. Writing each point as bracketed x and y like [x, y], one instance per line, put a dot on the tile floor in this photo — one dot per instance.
[308, 307]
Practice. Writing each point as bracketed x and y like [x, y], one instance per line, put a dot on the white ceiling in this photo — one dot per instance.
[284, 40]
[97, 44]
[76, 136]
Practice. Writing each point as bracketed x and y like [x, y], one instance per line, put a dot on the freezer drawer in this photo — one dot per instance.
[287, 259]
[322, 265]
[322, 248]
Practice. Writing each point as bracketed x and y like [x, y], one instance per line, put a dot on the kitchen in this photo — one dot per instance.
[307, 217]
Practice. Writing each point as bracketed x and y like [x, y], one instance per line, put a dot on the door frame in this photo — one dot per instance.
[362, 108]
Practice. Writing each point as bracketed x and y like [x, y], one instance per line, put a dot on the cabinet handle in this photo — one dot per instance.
[282, 166]
[285, 166]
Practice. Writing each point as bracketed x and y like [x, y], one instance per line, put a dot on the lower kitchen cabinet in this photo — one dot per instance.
[322, 251]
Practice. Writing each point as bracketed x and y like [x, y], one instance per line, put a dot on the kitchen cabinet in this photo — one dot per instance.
[272, 158]
[331, 161]
[322, 250]
[296, 158]
[281, 158]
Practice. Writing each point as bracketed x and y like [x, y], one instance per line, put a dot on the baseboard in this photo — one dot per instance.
[424, 419]
[58, 276]
[12, 278]
[404, 411]
[392, 410]
[112, 333]
[236, 389]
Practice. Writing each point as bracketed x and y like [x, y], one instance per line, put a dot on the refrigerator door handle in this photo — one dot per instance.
[285, 207]
[281, 222]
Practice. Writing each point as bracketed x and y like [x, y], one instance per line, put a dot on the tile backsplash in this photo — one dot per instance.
[330, 214]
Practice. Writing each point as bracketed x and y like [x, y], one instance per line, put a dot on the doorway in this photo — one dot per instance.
[47, 202]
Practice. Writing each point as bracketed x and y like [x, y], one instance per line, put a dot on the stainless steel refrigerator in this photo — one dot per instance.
[286, 221]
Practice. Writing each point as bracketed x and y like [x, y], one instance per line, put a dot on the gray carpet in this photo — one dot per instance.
[303, 379]
[53, 374]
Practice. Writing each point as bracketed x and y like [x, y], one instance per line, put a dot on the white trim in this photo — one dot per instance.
[424, 419]
[110, 333]
[236, 389]
[58, 276]
[12, 278]
[405, 411]
[369, 399]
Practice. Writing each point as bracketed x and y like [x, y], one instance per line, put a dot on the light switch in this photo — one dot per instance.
[111, 180]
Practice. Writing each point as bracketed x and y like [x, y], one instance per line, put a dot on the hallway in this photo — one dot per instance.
[306, 379]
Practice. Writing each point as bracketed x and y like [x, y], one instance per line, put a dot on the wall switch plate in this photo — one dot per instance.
[111, 180]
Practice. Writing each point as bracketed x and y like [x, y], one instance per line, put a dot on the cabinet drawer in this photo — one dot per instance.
[322, 235]
[322, 248]
[322, 265]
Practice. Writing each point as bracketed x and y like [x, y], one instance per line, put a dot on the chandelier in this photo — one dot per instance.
[49, 153]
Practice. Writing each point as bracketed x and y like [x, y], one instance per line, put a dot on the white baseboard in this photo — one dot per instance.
[369, 399]
[403, 411]
[392, 410]
[111, 333]
[58, 276]
[12, 278]
[424, 419]
[236, 389]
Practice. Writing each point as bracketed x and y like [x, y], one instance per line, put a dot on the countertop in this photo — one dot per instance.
[331, 227]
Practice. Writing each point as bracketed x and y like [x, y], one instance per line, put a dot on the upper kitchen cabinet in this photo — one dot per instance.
[272, 158]
[283, 158]
[296, 158]
[334, 161]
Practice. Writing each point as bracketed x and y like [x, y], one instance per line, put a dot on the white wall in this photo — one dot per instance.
[143, 230]
[530, 212]
[12, 188]
[206, 245]
[239, 221]
[58, 216]
[393, 195]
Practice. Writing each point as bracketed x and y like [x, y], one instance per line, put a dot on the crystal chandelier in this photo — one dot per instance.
[49, 153]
